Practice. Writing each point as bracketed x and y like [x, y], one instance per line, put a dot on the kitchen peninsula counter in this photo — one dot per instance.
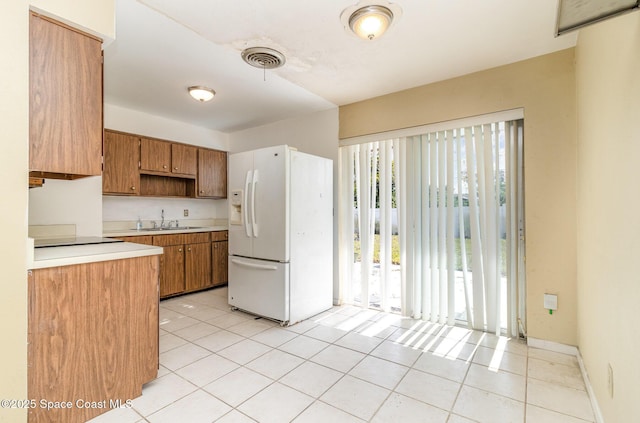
[46, 257]
[93, 326]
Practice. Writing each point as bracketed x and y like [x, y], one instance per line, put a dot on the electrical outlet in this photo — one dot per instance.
[186, 212]
[610, 379]
[551, 301]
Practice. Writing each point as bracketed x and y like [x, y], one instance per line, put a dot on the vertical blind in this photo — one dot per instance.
[431, 225]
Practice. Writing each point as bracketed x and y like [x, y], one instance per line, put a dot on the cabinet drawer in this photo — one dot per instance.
[177, 239]
[220, 236]
[196, 238]
[172, 239]
[138, 239]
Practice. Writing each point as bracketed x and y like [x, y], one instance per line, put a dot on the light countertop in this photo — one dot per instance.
[78, 254]
[146, 231]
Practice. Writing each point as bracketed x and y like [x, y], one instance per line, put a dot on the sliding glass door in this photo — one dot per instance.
[432, 225]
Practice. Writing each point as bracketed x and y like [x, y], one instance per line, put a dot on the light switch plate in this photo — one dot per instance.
[550, 301]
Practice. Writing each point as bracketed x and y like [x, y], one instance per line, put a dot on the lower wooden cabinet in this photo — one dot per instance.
[197, 266]
[186, 262]
[172, 270]
[220, 257]
[191, 261]
[92, 336]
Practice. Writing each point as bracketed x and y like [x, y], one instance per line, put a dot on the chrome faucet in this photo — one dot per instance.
[162, 221]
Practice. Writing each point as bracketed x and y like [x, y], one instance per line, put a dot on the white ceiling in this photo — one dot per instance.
[164, 46]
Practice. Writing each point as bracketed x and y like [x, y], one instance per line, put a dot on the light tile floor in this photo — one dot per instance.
[346, 365]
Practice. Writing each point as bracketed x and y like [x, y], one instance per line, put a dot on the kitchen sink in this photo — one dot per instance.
[175, 228]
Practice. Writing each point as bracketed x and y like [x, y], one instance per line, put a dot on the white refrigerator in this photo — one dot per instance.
[280, 233]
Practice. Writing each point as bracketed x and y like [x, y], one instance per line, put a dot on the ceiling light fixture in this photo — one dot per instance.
[370, 22]
[201, 93]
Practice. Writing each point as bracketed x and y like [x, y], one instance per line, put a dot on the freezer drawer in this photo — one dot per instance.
[259, 287]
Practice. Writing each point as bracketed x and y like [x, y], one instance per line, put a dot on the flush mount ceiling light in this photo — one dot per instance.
[369, 22]
[201, 93]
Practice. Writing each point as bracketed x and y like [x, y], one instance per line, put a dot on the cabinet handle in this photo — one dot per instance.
[189, 249]
[179, 250]
[133, 188]
[201, 191]
[164, 166]
[175, 168]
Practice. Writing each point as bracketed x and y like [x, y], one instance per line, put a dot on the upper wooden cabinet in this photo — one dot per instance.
[138, 165]
[155, 155]
[121, 158]
[183, 159]
[65, 101]
[212, 174]
[167, 157]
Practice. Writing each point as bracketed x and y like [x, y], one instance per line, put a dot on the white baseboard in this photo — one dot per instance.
[571, 350]
[592, 395]
[552, 346]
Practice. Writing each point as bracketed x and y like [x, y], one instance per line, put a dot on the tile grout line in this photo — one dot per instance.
[411, 366]
[350, 348]
[455, 400]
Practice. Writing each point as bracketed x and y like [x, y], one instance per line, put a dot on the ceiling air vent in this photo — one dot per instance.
[576, 14]
[263, 57]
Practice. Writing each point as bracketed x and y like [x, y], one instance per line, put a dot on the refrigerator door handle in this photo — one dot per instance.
[254, 224]
[254, 266]
[245, 212]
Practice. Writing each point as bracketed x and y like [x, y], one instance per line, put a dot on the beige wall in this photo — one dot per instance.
[14, 119]
[14, 165]
[545, 88]
[95, 17]
[608, 88]
[316, 133]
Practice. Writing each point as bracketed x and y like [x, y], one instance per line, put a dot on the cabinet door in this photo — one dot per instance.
[212, 173]
[65, 100]
[183, 159]
[220, 262]
[121, 155]
[172, 270]
[155, 155]
[197, 266]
